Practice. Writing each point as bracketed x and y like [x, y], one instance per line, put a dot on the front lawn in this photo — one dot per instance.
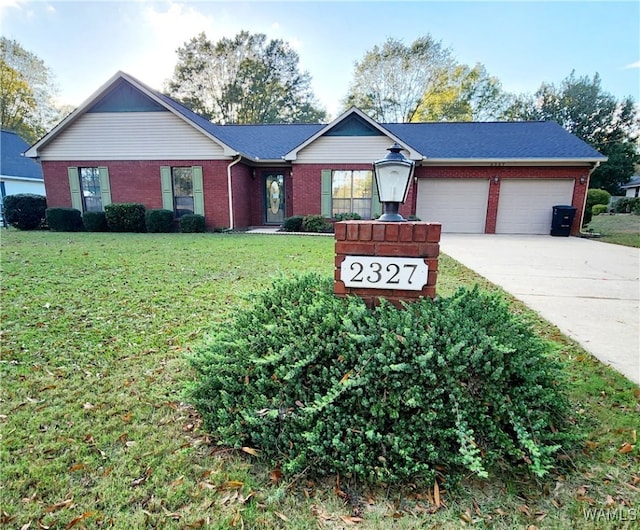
[620, 228]
[95, 432]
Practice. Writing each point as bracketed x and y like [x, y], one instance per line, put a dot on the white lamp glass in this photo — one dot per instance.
[393, 175]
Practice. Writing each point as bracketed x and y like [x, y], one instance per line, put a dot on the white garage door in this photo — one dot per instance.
[460, 205]
[526, 205]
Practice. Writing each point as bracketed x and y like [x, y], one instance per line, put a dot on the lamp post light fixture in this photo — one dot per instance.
[393, 174]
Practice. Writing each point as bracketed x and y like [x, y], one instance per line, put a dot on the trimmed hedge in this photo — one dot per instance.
[25, 211]
[159, 221]
[628, 205]
[64, 219]
[324, 385]
[192, 223]
[125, 217]
[597, 209]
[317, 224]
[95, 222]
[292, 224]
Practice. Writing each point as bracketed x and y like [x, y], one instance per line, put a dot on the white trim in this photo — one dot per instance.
[25, 179]
[230, 189]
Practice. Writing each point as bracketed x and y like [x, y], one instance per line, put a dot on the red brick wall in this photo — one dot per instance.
[139, 181]
[509, 172]
[373, 238]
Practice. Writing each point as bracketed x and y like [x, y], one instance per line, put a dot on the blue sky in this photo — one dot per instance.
[522, 43]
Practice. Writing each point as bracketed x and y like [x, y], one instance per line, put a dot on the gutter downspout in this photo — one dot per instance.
[584, 202]
[230, 190]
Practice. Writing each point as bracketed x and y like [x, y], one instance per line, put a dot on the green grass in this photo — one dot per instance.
[95, 432]
[620, 229]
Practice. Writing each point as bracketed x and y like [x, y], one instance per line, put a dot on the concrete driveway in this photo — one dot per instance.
[588, 289]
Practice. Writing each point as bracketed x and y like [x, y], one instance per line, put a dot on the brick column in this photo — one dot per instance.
[403, 240]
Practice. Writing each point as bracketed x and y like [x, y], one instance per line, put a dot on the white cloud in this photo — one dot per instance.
[632, 65]
[163, 32]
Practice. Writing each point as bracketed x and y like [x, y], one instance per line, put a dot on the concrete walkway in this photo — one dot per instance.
[590, 290]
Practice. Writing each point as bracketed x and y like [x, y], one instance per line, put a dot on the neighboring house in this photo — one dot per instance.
[18, 174]
[130, 143]
[632, 187]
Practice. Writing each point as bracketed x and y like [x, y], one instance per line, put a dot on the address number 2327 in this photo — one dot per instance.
[376, 272]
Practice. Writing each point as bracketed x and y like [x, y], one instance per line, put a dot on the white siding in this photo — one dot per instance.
[131, 136]
[460, 205]
[526, 206]
[13, 186]
[345, 149]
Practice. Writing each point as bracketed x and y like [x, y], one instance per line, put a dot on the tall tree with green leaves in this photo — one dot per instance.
[27, 89]
[246, 79]
[422, 82]
[390, 81]
[463, 93]
[585, 109]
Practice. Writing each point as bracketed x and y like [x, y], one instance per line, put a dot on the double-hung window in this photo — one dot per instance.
[352, 192]
[182, 189]
[90, 188]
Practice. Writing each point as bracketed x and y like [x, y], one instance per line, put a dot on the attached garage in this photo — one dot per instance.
[460, 205]
[525, 206]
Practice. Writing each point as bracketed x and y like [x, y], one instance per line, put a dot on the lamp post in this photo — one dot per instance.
[393, 174]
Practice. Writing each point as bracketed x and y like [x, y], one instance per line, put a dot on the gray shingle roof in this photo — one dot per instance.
[493, 140]
[443, 140]
[12, 163]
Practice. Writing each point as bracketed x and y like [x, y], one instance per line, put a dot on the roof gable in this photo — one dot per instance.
[12, 163]
[124, 97]
[352, 123]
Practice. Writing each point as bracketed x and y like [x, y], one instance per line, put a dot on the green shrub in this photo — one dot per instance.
[596, 196]
[125, 217]
[192, 223]
[316, 223]
[64, 219]
[157, 221]
[627, 205]
[25, 211]
[347, 217]
[95, 222]
[292, 224]
[324, 384]
[597, 209]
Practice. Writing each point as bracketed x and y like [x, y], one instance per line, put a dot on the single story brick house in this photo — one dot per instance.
[130, 143]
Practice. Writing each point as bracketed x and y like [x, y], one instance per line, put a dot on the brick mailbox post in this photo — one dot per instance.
[397, 261]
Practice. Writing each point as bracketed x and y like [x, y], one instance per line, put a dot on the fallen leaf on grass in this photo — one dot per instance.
[250, 451]
[350, 519]
[76, 520]
[626, 448]
[282, 516]
[436, 494]
[88, 406]
[231, 485]
[59, 505]
[275, 476]
[76, 467]
[141, 480]
[609, 501]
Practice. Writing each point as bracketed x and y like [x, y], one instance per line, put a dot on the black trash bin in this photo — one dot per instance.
[562, 220]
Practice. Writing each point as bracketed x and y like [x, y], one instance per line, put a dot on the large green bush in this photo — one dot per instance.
[25, 211]
[192, 223]
[125, 217]
[95, 222]
[316, 223]
[598, 209]
[628, 205]
[293, 224]
[324, 384]
[64, 219]
[596, 196]
[159, 221]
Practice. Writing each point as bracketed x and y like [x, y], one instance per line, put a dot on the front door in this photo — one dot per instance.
[274, 198]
